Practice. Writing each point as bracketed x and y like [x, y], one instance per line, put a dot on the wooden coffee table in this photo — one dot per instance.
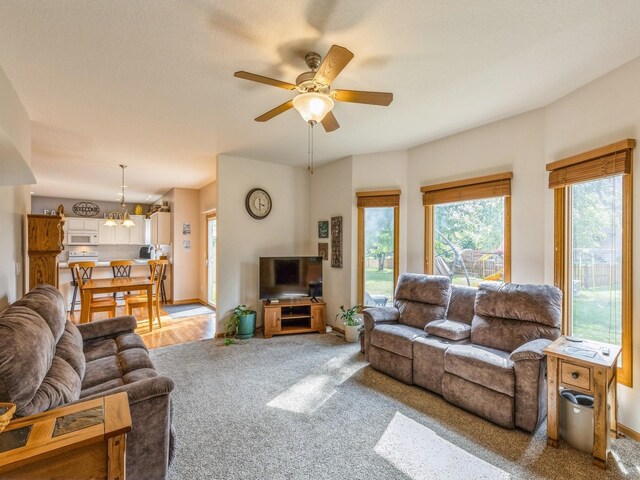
[584, 367]
[86, 440]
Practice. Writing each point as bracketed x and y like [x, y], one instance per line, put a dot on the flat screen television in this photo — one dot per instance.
[290, 277]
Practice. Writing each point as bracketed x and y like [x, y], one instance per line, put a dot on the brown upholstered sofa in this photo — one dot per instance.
[481, 349]
[47, 361]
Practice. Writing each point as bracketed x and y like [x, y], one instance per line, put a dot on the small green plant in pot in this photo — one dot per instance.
[241, 324]
[352, 322]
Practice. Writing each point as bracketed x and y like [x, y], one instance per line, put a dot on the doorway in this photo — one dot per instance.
[211, 260]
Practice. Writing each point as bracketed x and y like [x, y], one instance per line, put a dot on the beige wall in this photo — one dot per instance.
[15, 201]
[602, 112]
[243, 239]
[208, 197]
[186, 264]
[330, 196]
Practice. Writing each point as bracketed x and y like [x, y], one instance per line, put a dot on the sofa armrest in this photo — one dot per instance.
[533, 350]
[377, 315]
[107, 327]
[139, 391]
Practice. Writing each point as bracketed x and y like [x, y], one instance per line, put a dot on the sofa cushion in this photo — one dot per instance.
[396, 338]
[488, 367]
[531, 303]
[69, 348]
[508, 315]
[26, 355]
[448, 329]
[48, 302]
[60, 386]
[421, 298]
[462, 303]
[107, 347]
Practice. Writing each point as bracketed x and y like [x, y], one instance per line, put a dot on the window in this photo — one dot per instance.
[468, 229]
[378, 226]
[592, 236]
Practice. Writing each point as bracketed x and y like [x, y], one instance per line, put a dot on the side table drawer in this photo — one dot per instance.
[575, 375]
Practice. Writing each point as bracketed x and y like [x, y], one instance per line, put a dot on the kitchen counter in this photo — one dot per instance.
[137, 261]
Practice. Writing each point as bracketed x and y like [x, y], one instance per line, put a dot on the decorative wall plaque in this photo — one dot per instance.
[323, 229]
[336, 242]
[323, 250]
[86, 209]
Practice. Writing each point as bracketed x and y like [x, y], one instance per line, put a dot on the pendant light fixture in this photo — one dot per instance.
[126, 219]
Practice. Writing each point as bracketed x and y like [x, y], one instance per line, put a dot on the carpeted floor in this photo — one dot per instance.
[309, 407]
[187, 310]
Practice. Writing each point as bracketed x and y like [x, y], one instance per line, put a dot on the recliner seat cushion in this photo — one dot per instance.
[422, 298]
[484, 366]
[395, 338]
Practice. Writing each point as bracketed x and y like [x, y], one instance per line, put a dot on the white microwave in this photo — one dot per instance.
[82, 238]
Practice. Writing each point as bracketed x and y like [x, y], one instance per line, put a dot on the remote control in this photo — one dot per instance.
[574, 339]
[605, 351]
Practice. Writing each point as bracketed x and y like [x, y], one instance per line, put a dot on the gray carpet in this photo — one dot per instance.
[309, 407]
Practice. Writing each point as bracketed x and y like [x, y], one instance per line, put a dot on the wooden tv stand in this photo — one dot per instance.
[293, 316]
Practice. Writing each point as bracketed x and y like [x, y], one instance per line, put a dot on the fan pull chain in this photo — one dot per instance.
[310, 148]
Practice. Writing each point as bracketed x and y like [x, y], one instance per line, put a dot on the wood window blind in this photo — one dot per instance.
[498, 185]
[608, 161]
[387, 198]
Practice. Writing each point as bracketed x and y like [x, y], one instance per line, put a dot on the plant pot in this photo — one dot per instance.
[351, 333]
[247, 325]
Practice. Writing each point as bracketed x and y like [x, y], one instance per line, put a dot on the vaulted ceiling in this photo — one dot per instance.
[149, 83]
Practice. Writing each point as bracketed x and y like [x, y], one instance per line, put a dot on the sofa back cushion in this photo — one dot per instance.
[509, 315]
[26, 355]
[462, 304]
[48, 302]
[421, 299]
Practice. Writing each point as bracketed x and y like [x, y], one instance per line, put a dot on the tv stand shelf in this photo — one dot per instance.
[293, 316]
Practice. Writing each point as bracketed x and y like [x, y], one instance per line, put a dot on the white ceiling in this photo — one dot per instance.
[149, 83]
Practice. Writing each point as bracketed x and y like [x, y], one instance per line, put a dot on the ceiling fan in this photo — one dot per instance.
[315, 99]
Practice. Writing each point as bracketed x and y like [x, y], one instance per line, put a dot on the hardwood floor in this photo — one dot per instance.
[172, 332]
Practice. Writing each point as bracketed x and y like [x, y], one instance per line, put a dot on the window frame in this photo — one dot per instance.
[377, 199]
[561, 183]
[477, 188]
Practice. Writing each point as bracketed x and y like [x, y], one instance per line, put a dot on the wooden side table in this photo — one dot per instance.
[584, 367]
[85, 440]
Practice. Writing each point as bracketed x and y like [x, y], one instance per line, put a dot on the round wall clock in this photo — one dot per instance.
[258, 203]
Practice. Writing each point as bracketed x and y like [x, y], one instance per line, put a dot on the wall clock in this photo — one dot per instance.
[258, 203]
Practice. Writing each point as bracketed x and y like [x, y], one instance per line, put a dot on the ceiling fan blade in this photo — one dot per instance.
[370, 98]
[334, 62]
[330, 123]
[276, 111]
[260, 79]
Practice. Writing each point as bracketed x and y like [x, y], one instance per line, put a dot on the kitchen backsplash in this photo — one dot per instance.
[108, 252]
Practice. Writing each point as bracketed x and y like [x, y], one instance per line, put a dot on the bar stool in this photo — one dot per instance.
[121, 269]
[163, 292]
[158, 268]
[86, 271]
[106, 304]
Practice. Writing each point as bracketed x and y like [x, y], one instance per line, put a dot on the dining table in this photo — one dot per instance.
[113, 285]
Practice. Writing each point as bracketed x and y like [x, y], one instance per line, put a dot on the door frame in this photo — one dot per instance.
[208, 217]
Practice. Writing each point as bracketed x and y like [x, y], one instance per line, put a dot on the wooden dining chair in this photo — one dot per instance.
[105, 304]
[121, 269]
[158, 268]
[85, 270]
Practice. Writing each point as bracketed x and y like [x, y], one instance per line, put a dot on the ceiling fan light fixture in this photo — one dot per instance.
[313, 106]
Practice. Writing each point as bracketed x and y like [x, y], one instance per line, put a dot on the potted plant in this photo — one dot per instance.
[241, 324]
[352, 322]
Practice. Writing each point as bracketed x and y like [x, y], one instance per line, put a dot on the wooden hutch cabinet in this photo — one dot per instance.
[45, 239]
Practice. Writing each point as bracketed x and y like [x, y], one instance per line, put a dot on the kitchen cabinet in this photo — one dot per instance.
[106, 235]
[120, 235]
[83, 224]
[161, 228]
